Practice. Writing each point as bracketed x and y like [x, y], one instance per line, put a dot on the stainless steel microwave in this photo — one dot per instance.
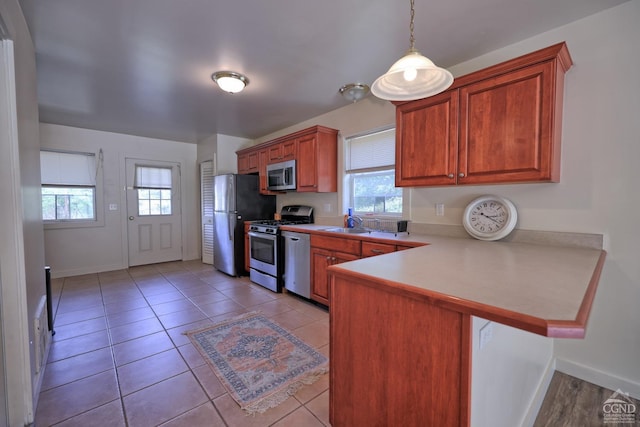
[281, 176]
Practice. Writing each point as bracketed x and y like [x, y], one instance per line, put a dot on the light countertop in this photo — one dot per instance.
[543, 289]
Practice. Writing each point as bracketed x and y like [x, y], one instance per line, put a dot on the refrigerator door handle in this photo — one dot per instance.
[230, 226]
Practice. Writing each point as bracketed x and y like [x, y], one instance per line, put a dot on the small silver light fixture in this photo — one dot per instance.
[354, 92]
[412, 77]
[230, 81]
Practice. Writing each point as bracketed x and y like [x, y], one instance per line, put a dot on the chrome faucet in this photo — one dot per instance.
[358, 221]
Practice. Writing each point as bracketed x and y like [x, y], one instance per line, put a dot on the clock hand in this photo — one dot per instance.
[492, 218]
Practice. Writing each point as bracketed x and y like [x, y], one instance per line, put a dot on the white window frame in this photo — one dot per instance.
[349, 190]
[98, 221]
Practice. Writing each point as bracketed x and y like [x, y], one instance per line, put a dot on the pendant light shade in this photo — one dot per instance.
[412, 77]
[230, 81]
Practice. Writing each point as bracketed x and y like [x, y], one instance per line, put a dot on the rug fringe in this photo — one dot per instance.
[282, 395]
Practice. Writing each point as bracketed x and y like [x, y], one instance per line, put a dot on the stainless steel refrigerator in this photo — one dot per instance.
[236, 199]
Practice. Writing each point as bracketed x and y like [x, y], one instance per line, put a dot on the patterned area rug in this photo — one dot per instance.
[260, 363]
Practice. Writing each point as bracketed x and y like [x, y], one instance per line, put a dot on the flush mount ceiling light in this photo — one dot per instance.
[354, 91]
[412, 77]
[230, 81]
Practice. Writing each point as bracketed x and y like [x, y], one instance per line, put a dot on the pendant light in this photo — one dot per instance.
[412, 77]
[230, 81]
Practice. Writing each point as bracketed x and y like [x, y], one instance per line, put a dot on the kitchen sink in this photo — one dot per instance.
[347, 230]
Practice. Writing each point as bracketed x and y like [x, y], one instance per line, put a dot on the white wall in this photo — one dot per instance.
[597, 194]
[73, 251]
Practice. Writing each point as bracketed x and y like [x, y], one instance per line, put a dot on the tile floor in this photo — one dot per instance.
[119, 358]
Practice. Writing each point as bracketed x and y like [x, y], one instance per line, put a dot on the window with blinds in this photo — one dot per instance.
[154, 190]
[370, 172]
[68, 186]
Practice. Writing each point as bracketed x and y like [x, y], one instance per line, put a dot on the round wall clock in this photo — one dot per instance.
[490, 218]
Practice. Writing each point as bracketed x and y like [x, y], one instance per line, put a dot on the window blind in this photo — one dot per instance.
[151, 177]
[61, 168]
[370, 152]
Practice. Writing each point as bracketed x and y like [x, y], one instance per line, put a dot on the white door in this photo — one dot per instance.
[154, 221]
[207, 172]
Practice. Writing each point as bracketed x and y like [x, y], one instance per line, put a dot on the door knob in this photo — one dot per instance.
[131, 218]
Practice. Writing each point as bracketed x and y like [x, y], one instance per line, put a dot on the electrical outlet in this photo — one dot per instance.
[113, 207]
[439, 209]
[486, 333]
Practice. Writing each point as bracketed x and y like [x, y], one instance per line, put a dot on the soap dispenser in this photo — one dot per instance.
[350, 222]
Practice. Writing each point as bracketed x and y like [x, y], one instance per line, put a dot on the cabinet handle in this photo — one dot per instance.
[461, 175]
[377, 251]
[450, 175]
[333, 258]
[328, 258]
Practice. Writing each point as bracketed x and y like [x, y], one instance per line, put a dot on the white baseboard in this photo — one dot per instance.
[602, 379]
[534, 407]
[55, 274]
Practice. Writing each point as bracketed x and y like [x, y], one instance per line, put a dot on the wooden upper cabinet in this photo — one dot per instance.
[315, 150]
[501, 124]
[248, 162]
[317, 161]
[427, 141]
[282, 151]
[506, 128]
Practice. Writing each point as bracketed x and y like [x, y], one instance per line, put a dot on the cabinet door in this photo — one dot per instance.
[320, 260]
[307, 167]
[274, 153]
[289, 150]
[243, 163]
[426, 141]
[506, 128]
[253, 162]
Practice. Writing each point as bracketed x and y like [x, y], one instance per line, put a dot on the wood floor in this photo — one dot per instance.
[571, 402]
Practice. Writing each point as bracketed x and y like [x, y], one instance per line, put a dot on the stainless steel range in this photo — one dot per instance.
[266, 245]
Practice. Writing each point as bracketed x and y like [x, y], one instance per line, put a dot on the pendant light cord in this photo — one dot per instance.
[411, 38]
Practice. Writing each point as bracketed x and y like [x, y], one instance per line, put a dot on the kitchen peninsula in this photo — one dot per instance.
[401, 322]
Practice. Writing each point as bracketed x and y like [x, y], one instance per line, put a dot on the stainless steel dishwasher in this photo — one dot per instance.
[297, 263]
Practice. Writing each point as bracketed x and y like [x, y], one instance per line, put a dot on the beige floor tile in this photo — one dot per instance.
[79, 328]
[272, 308]
[204, 415]
[179, 318]
[136, 375]
[292, 319]
[172, 306]
[78, 315]
[195, 291]
[191, 355]
[77, 367]
[125, 305]
[163, 401]
[311, 391]
[209, 381]
[167, 296]
[60, 403]
[134, 330]
[177, 334]
[252, 298]
[109, 415]
[315, 334]
[140, 348]
[221, 307]
[208, 297]
[301, 417]
[130, 316]
[320, 407]
[78, 345]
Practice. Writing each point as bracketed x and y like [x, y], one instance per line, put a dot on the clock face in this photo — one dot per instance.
[490, 218]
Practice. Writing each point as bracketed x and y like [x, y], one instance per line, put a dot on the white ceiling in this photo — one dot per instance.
[143, 67]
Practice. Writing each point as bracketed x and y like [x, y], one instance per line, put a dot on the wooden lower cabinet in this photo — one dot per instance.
[375, 248]
[321, 259]
[396, 359]
[326, 251]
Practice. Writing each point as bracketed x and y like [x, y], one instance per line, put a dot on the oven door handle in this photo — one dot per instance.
[262, 235]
